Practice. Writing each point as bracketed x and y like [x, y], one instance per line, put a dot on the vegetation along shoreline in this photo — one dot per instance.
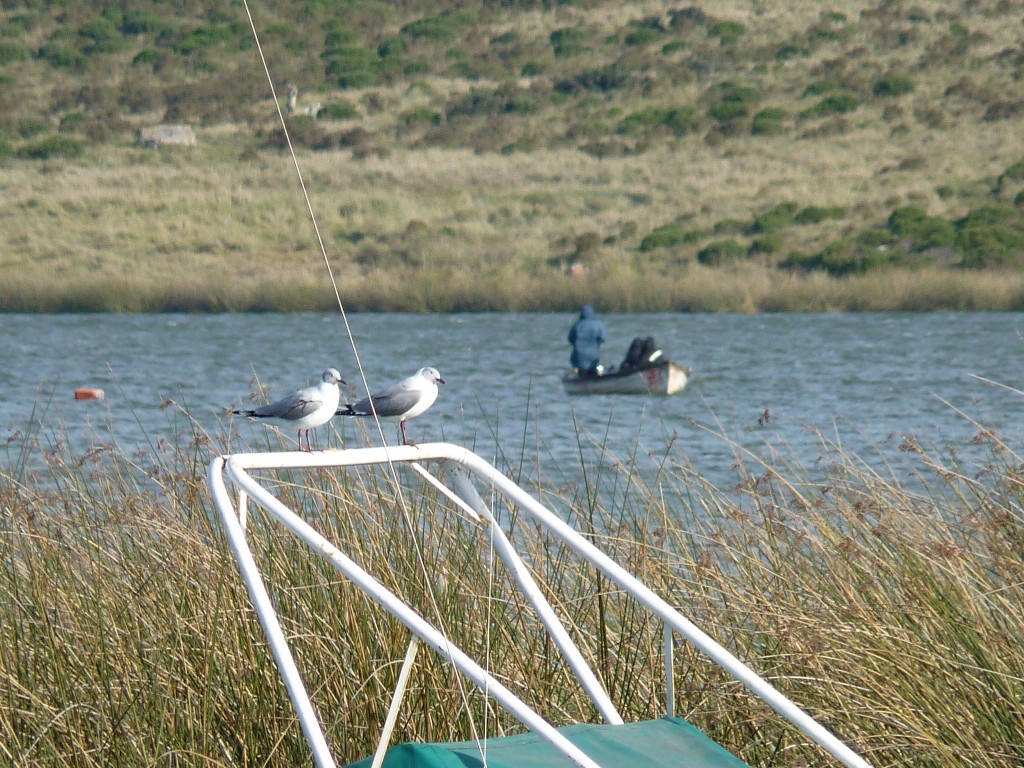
[514, 156]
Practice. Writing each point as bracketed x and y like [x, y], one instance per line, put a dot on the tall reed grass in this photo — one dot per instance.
[889, 607]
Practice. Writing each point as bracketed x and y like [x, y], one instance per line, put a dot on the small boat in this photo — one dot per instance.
[658, 377]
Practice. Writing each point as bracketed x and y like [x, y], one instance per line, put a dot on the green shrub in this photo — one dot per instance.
[678, 120]
[732, 101]
[836, 104]
[769, 243]
[202, 38]
[446, 26]
[787, 52]
[911, 222]
[668, 235]
[730, 227]
[51, 146]
[568, 41]
[768, 122]
[137, 21]
[727, 32]
[103, 36]
[729, 111]
[340, 110]
[421, 116]
[779, 217]
[150, 57]
[64, 57]
[818, 87]
[815, 214]
[29, 127]
[11, 51]
[341, 35]
[846, 257]
[893, 84]
[73, 121]
[991, 236]
[352, 67]
[721, 252]
[643, 34]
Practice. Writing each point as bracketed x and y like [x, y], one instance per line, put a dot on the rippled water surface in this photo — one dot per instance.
[864, 380]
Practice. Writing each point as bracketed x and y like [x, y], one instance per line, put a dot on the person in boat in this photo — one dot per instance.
[586, 337]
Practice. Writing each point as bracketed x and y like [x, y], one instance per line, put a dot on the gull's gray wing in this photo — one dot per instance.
[388, 403]
[295, 406]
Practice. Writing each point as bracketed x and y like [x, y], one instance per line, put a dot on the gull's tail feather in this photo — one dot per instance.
[345, 410]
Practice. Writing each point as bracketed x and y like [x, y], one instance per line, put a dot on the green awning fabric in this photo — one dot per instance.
[669, 742]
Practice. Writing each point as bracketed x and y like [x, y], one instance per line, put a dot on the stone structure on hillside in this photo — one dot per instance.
[163, 135]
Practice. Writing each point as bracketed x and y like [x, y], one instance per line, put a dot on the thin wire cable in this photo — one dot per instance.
[362, 374]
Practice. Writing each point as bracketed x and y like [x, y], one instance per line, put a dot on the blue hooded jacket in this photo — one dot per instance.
[586, 337]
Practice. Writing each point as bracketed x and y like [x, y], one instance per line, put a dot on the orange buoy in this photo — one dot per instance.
[88, 393]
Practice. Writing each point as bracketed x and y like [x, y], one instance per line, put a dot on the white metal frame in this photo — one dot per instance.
[464, 464]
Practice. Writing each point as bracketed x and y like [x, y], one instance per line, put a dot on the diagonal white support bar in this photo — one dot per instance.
[396, 703]
[539, 602]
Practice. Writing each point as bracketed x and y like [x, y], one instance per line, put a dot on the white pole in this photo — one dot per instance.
[396, 702]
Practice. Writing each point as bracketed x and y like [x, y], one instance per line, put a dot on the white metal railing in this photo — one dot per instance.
[465, 464]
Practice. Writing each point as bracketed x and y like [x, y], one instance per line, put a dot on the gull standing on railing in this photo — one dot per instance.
[408, 398]
[304, 408]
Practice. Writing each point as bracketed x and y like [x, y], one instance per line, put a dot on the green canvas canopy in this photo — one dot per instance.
[668, 742]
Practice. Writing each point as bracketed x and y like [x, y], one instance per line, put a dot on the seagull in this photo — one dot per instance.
[304, 408]
[408, 398]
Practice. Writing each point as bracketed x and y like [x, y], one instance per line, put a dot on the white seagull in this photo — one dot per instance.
[408, 398]
[304, 408]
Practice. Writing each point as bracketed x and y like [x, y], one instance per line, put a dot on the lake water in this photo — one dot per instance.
[865, 380]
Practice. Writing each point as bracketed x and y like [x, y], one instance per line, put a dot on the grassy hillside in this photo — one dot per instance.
[517, 155]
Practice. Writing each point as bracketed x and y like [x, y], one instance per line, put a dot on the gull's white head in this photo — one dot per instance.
[431, 375]
[331, 376]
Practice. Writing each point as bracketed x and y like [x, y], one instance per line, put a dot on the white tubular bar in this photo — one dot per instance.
[405, 614]
[268, 618]
[670, 682]
[540, 603]
[555, 525]
[396, 703]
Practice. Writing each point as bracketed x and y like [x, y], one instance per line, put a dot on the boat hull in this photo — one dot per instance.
[665, 378]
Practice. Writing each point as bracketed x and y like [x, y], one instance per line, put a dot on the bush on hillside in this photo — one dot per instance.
[721, 252]
[769, 122]
[568, 41]
[779, 217]
[991, 236]
[445, 26]
[727, 32]
[668, 235]
[51, 146]
[11, 51]
[340, 110]
[64, 57]
[677, 120]
[352, 66]
[893, 84]
[849, 256]
[836, 104]
[815, 214]
[911, 222]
